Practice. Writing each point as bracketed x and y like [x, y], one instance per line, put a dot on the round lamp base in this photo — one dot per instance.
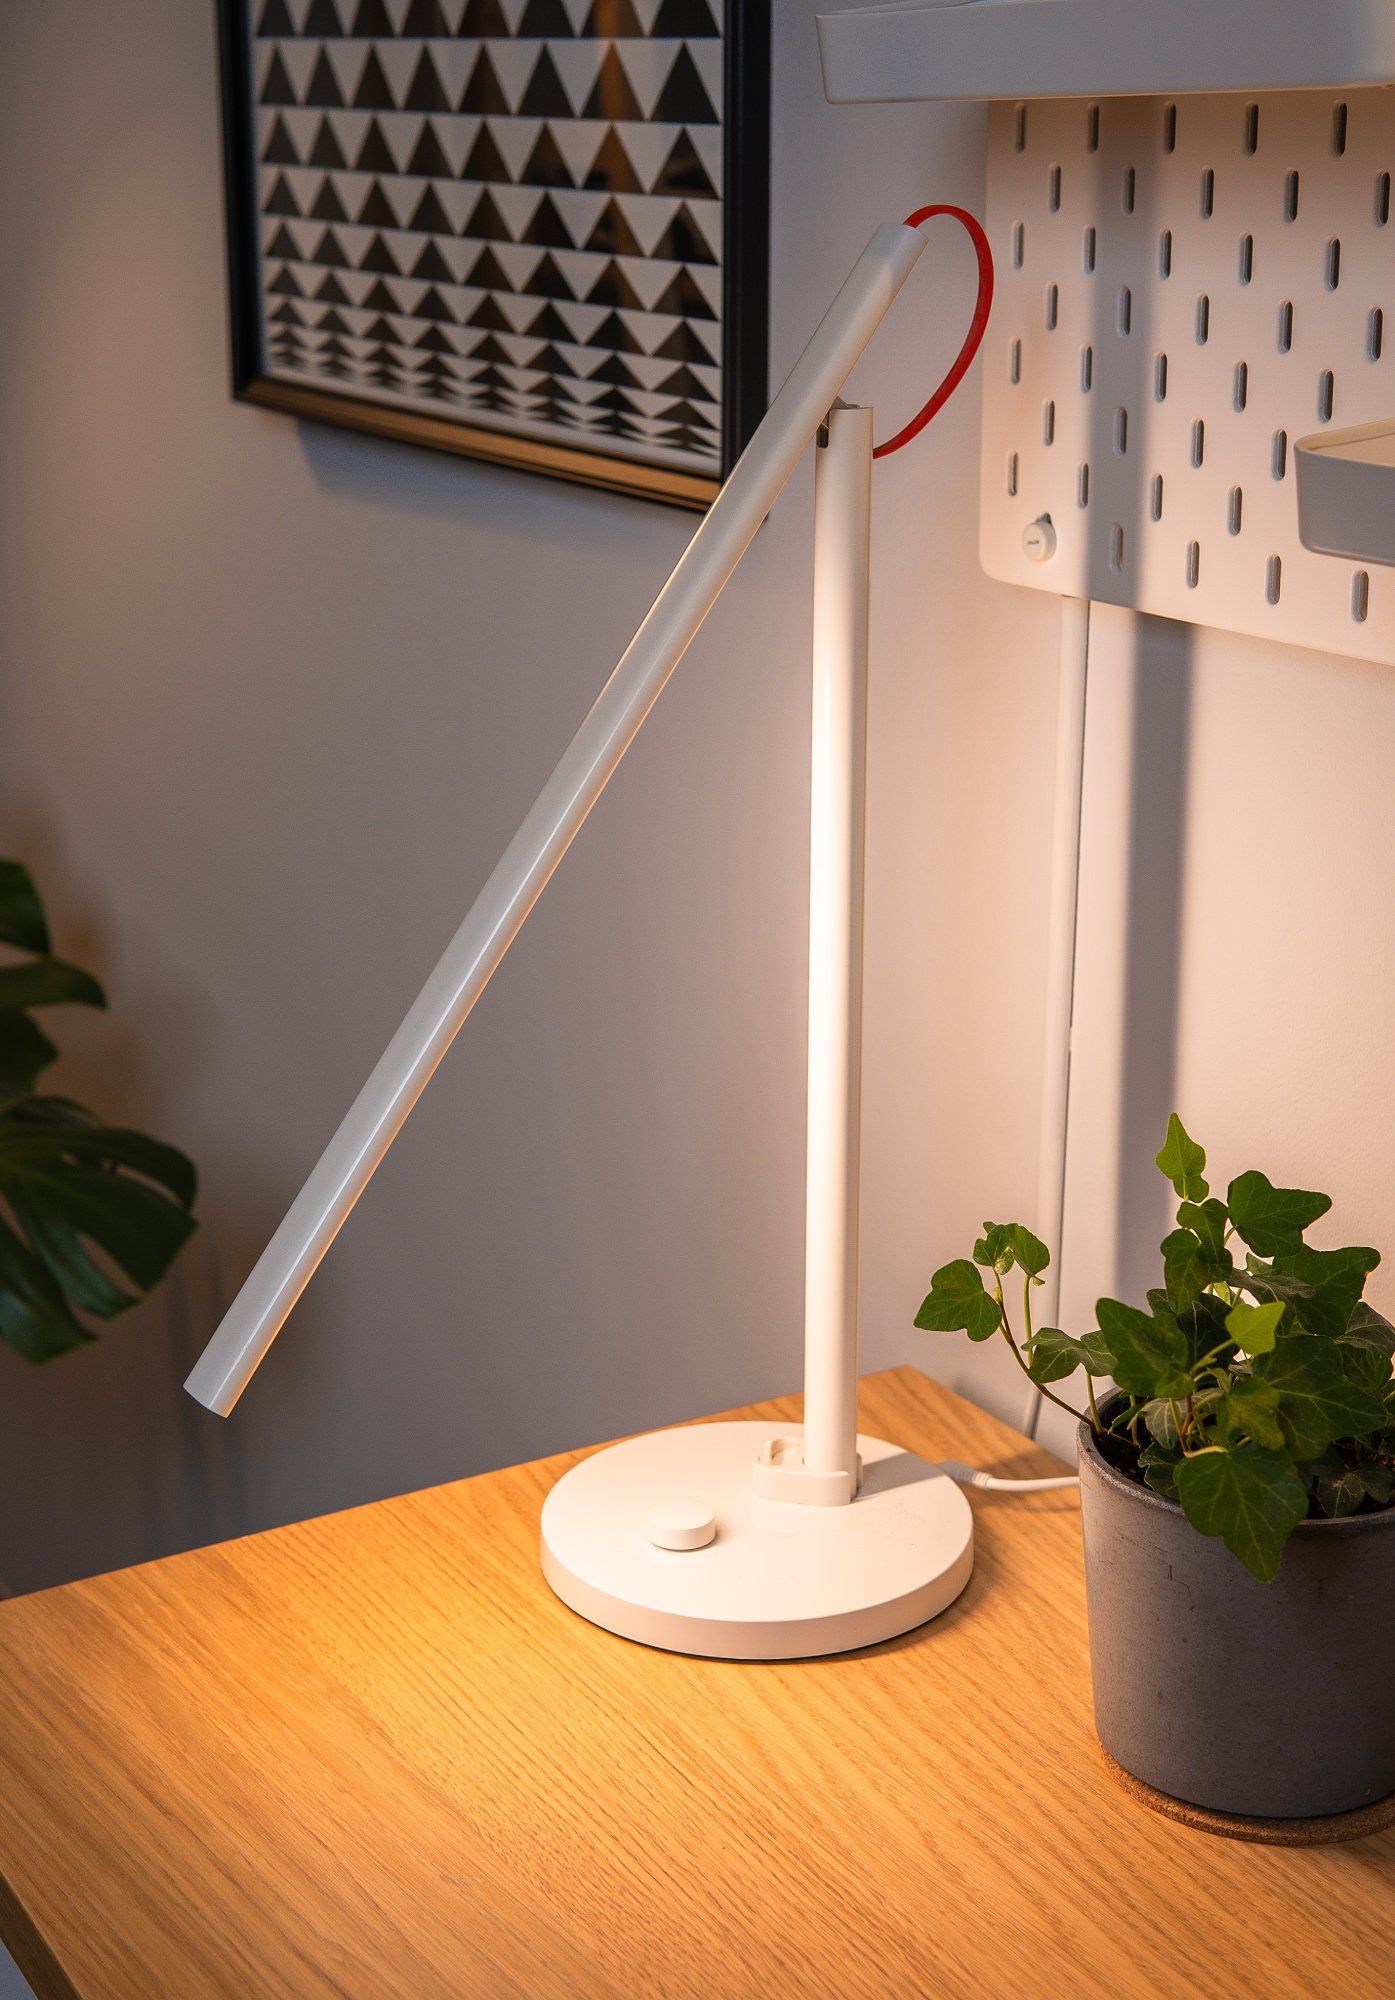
[756, 1579]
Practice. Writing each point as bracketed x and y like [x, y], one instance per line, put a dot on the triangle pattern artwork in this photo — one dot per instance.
[502, 213]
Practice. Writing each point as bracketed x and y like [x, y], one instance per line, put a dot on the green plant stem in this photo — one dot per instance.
[1040, 1387]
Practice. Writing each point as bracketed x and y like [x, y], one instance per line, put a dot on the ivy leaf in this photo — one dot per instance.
[1272, 1219]
[1184, 1269]
[1340, 1492]
[994, 1248]
[1336, 1280]
[1368, 1328]
[1207, 1220]
[1318, 1402]
[25, 1053]
[1249, 1408]
[1159, 1465]
[1253, 1499]
[22, 920]
[1366, 1365]
[1149, 1350]
[49, 982]
[34, 1315]
[1255, 1328]
[957, 1303]
[1160, 1416]
[1183, 1161]
[1030, 1252]
[1267, 1283]
[1053, 1355]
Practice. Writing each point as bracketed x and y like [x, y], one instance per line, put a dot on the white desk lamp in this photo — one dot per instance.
[718, 1539]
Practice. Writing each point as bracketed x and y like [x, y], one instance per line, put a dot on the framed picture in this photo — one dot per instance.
[532, 231]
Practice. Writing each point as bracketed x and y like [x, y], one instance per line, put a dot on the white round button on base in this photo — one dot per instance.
[681, 1524]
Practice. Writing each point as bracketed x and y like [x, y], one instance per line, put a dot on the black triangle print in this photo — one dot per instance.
[546, 229]
[377, 257]
[430, 216]
[612, 169]
[372, 19]
[425, 17]
[613, 234]
[383, 353]
[374, 92]
[433, 341]
[489, 313]
[684, 20]
[484, 94]
[546, 18]
[333, 346]
[683, 99]
[327, 206]
[549, 325]
[683, 297]
[683, 382]
[375, 156]
[334, 322]
[691, 441]
[380, 328]
[285, 285]
[429, 158]
[432, 306]
[486, 162]
[488, 273]
[437, 369]
[323, 89]
[614, 334]
[331, 292]
[547, 281]
[441, 392]
[277, 87]
[383, 299]
[612, 94]
[681, 412]
[489, 378]
[683, 241]
[426, 92]
[683, 172]
[683, 344]
[483, 18]
[281, 200]
[377, 211]
[431, 264]
[613, 369]
[486, 223]
[613, 288]
[276, 19]
[491, 400]
[286, 314]
[614, 19]
[283, 245]
[326, 151]
[613, 399]
[547, 357]
[544, 95]
[545, 166]
[279, 150]
[323, 20]
[329, 250]
[489, 349]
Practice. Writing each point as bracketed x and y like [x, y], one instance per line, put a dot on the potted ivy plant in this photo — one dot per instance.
[91, 1215]
[1236, 1491]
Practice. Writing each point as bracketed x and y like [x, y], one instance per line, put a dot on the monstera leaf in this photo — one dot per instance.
[91, 1215]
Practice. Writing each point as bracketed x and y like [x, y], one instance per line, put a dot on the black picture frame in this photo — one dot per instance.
[621, 462]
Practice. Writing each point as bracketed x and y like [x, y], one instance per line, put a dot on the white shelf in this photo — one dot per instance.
[1346, 493]
[987, 49]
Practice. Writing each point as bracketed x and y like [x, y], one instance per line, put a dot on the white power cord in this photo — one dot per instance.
[984, 1482]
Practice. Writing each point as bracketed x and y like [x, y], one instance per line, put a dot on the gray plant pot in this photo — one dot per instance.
[1272, 1700]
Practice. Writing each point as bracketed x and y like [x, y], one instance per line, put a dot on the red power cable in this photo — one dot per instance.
[973, 339]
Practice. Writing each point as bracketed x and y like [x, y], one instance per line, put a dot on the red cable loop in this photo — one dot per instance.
[977, 326]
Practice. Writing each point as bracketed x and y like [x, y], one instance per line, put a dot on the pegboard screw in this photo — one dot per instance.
[1039, 540]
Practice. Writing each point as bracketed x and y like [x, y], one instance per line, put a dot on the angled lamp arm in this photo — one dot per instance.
[474, 954]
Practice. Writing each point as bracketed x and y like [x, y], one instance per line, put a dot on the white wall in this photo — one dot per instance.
[273, 698]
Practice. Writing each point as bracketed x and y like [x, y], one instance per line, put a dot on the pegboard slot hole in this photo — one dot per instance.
[1019, 245]
[1091, 248]
[1014, 362]
[1053, 307]
[1087, 369]
[1130, 190]
[1053, 190]
[1121, 431]
[1235, 510]
[1382, 200]
[1361, 596]
[1242, 384]
[1116, 548]
[1278, 457]
[1339, 129]
[1375, 334]
[1020, 135]
[1170, 128]
[1203, 320]
[1155, 497]
[1208, 194]
[1252, 129]
[1199, 444]
[1160, 379]
[1092, 129]
[1193, 564]
[1247, 259]
[1012, 475]
[1125, 310]
[1286, 327]
[1327, 394]
[1291, 193]
[1332, 264]
[1082, 485]
[1165, 254]
[1048, 424]
[1274, 579]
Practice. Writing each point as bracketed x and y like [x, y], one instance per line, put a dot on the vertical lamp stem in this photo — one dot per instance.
[842, 555]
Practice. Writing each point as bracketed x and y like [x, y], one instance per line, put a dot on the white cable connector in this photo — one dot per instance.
[984, 1482]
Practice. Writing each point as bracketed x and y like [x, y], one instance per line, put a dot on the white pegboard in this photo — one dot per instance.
[1184, 289]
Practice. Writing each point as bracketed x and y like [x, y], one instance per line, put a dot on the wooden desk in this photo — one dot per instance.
[373, 1756]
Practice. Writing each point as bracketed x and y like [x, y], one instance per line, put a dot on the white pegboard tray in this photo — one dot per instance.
[1184, 288]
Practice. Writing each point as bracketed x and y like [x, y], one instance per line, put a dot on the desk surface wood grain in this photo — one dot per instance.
[372, 1758]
